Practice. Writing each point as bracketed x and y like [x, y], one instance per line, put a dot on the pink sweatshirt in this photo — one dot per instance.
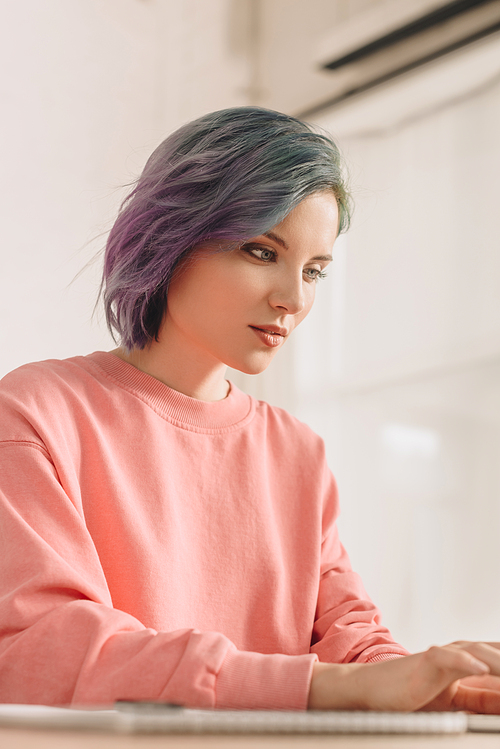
[158, 547]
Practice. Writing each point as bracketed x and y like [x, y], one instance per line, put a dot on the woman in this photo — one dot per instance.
[168, 537]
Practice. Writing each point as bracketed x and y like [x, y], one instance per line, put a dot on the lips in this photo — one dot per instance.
[271, 329]
[270, 336]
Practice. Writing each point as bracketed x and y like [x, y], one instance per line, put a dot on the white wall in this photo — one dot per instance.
[87, 90]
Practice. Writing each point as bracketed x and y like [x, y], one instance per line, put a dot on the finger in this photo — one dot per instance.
[476, 700]
[462, 643]
[485, 653]
[482, 682]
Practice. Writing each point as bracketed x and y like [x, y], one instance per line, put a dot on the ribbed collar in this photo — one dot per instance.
[189, 413]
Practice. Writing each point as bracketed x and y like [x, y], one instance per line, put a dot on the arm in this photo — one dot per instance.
[62, 642]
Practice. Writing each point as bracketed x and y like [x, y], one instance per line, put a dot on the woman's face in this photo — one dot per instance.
[220, 305]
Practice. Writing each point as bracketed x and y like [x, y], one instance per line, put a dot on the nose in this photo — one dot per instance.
[288, 296]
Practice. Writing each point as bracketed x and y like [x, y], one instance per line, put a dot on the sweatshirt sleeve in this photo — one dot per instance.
[62, 642]
[348, 625]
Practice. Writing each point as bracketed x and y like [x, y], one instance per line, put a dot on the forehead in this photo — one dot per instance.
[314, 221]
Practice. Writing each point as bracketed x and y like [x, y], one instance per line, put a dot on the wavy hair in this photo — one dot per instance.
[223, 178]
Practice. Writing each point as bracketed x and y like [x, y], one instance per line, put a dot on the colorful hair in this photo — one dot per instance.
[226, 177]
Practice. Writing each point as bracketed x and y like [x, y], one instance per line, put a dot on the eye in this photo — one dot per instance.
[313, 274]
[262, 253]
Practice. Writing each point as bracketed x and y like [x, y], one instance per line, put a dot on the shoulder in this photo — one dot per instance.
[43, 379]
[279, 418]
[41, 393]
[288, 431]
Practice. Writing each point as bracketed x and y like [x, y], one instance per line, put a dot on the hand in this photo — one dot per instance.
[425, 681]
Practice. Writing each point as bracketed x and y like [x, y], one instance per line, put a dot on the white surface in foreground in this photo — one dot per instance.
[144, 718]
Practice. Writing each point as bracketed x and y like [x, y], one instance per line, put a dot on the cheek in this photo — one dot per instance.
[209, 302]
[218, 290]
[240, 288]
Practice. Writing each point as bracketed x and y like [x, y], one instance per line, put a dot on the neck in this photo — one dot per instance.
[192, 376]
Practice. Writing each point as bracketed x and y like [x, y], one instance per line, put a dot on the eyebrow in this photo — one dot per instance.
[276, 238]
[279, 240]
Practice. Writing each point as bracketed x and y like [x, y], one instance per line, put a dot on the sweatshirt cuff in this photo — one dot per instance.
[385, 657]
[259, 681]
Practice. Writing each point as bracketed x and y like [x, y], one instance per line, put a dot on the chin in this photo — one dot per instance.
[251, 368]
